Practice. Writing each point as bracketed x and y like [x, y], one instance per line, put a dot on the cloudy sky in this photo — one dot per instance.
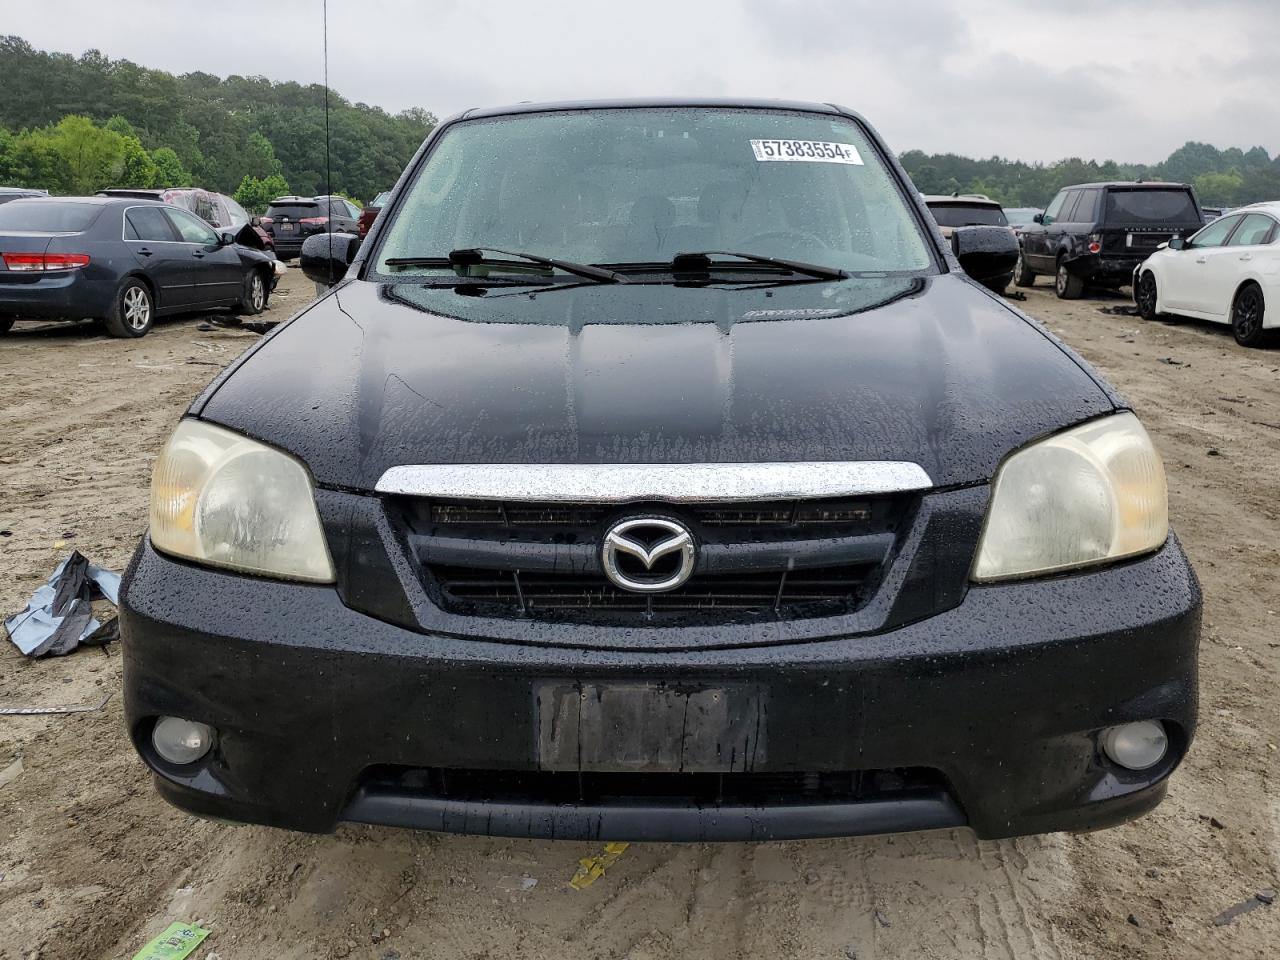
[1032, 79]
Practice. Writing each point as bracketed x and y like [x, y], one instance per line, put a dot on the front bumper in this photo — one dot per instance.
[1001, 697]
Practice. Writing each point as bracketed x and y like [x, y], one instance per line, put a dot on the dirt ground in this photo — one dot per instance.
[93, 864]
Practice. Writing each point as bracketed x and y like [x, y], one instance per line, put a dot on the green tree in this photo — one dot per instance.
[94, 155]
[254, 194]
[169, 169]
[137, 167]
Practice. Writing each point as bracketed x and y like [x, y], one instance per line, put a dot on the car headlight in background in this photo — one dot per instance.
[222, 499]
[1088, 495]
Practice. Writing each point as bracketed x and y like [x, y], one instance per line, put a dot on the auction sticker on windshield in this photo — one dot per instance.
[808, 151]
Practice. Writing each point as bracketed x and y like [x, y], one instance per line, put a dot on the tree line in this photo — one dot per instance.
[74, 125]
[1222, 178]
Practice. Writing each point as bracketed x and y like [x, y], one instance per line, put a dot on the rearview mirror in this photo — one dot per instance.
[1177, 243]
[326, 256]
[1038, 218]
[985, 253]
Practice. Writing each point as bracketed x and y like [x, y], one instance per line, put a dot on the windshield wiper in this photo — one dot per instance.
[475, 257]
[702, 262]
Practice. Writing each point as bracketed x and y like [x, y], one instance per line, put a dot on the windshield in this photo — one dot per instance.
[48, 216]
[381, 199]
[294, 210]
[1021, 216]
[629, 186]
[1151, 206]
[967, 215]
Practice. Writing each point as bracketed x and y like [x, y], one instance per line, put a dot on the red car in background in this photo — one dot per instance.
[370, 213]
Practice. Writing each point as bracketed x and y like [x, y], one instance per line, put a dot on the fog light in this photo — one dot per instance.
[181, 741]
[1135, 746]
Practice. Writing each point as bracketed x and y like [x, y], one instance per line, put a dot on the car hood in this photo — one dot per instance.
[930, 370]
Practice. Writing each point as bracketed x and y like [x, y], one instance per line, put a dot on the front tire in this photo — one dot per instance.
[1246, 317]
[1147, 296]
[253, 299]
[134, 311]
[1023, 276]
[1066, 285]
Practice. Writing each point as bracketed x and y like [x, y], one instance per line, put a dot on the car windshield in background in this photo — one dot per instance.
[962, 215]
[638, 186]
[1150, 206]
[294, 211]
[1021, 216]
[47, 216]
[381, 199]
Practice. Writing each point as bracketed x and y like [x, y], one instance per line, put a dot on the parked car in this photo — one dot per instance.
[370, 213]
[290, 220]
[677, 486]
[957, 211]
[217, 209]
[122, 261]
[19, 193]
[1098, 232]
[1229, 272]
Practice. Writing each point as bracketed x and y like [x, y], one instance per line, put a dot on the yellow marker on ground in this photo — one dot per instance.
[591, 869]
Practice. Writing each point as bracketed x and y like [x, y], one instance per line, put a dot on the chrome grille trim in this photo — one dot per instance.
[666, 482]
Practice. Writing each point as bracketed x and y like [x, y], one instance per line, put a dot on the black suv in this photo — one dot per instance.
[1096, 233]
[290, 220]
[655, 472]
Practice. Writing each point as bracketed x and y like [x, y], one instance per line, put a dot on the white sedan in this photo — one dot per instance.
[1228, 272]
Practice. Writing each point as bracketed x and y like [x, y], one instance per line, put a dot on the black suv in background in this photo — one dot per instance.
[1098, 232]
[290, 220]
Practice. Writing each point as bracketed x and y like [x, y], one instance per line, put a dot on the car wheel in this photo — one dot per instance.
[1066, 285]
[254, 298]
[1146, 296]
[6, 325]
[134, 311]
[1023, 276]
[1246, 317]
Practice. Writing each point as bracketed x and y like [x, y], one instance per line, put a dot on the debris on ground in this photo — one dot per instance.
[59, 616]
[22, 711]
[1173, 363]
[260, 326]
[175, 943]
[1133, 920]
[1121, 310]
[1015, 295]
[1263, 898]
[882, 919]
[11, 773]
[591, 869]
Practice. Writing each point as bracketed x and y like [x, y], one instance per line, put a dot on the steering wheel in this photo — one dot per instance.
[804, 236]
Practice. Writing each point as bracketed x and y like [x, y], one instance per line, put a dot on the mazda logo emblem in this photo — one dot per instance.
[648, 554]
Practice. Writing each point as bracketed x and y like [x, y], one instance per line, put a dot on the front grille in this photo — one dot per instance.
[758, 561]
[617, 789]
[798, 593]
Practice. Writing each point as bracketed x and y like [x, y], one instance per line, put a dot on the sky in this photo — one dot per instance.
[1036, 80]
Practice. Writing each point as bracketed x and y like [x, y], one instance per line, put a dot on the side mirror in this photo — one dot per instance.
[227, 237]
[1038, 218]
[326, 256]
[1177, 243]
[255, 221]
[985, 253]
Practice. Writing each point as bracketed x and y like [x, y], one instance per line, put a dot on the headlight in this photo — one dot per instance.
[1087, 495]
[228, 501]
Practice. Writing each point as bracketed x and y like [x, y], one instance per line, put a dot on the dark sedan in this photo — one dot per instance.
[122, 261]
[678, 485]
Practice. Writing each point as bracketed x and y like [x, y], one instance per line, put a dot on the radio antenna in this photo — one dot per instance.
[328, 171]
